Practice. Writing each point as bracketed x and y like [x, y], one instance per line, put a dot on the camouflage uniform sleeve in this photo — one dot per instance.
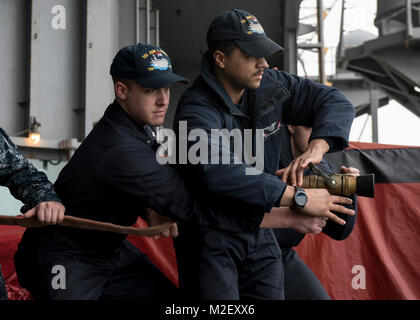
[24, 181]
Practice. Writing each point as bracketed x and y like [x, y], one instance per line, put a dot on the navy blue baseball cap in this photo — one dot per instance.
[146, 64]
[244, 29]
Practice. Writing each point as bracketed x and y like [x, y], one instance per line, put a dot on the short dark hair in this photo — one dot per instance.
[127, 82]
[226, 46]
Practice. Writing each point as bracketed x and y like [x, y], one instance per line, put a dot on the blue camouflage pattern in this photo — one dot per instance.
[24, 181]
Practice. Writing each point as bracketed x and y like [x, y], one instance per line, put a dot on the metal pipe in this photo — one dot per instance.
[321, 58]
[374, 104]
[340, 42]
[137, 21]
[148, 7]
[409, 19]
[157, 27]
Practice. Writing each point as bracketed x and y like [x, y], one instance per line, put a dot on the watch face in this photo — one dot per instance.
[301, 199]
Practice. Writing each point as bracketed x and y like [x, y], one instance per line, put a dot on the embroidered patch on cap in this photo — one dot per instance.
[253, 25]
[158, 60]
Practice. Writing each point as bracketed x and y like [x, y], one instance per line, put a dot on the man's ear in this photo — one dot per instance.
[219, 58]
[120, 90]
[291, 129]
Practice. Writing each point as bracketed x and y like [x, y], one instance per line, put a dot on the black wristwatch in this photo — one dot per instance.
[300, 199]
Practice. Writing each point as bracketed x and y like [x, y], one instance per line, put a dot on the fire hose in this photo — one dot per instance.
[81, 223]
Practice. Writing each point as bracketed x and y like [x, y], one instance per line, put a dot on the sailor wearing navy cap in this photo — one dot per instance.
[236, 91]
[113, 177]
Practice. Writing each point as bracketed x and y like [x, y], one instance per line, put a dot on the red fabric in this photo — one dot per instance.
[384, 241]
[160, 251]
[369, 145]
[9, 239]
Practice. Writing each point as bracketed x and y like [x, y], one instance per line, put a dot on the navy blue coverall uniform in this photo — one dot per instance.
[300, 283]
[112, 177]
[237, 260]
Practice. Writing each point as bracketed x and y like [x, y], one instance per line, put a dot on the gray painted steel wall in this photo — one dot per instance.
[61, 76]
[14, 69]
